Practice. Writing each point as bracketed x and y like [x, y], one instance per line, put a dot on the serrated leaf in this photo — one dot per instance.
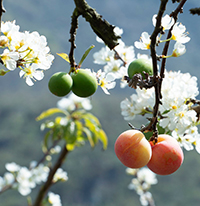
[103, 138]
[64, 56]
[48, 113]
[85, 54]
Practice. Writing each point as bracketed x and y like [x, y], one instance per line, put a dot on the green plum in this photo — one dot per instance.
[139, 66]
[84, 83]
[60, 84]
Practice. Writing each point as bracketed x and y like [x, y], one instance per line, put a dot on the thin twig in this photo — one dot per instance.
[48, 152]
[48, 183]
[2, 10]
[74, 26]
[158, 29]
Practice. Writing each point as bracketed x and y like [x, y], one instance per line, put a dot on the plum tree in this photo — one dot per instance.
[84, 83]
[133, 149]
[140, 66]
[167, 155]
[60, 84]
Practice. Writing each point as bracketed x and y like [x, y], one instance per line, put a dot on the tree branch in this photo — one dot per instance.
[159, 79]
[48, 183]
[101, 27]
[2, 10]
[157, 84]
[74, 26]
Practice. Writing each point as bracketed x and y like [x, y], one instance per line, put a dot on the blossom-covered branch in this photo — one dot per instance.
[159, 29]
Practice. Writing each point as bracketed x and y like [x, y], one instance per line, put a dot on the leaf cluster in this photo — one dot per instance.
[74, 127]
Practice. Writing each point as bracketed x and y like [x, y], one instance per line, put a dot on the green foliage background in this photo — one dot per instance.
[96, 177]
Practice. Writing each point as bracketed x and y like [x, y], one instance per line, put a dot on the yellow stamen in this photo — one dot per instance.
[148, 46]
[28, 71]
[174, 107]
[181, 114]
[173, 37]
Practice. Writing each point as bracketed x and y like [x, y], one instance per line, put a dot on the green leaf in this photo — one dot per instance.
[64, 56]
[89, 136]
[58, 132]
[161, 130]
[49, 112]
[103, 138]
[148, 135]
[45, 142]
[90, 117]
[85, 54]
[166, 111]
[70, 147]
[70, 133]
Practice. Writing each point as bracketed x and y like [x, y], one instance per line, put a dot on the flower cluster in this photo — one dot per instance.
[176, 115]
[24, 50]
[25, 179]
[141, 183]
[178, 34]
[115, 63]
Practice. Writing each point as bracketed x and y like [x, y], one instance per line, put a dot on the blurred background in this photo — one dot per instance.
[96, 177]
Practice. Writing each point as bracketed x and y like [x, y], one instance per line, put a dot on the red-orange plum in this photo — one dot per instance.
[133, 149]
[167, 155]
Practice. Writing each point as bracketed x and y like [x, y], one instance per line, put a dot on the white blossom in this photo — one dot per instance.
[9, 28]
[60, 175]
[166, 21]
[54, 199]
[144, 42]
[179, 49]
[25, 184]
[27, 51]
[9, 59]
[145, 198]
[179, 34]
[73, 101]
[103, 56]
[12, 167]
[141, 183]
[31, 74]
